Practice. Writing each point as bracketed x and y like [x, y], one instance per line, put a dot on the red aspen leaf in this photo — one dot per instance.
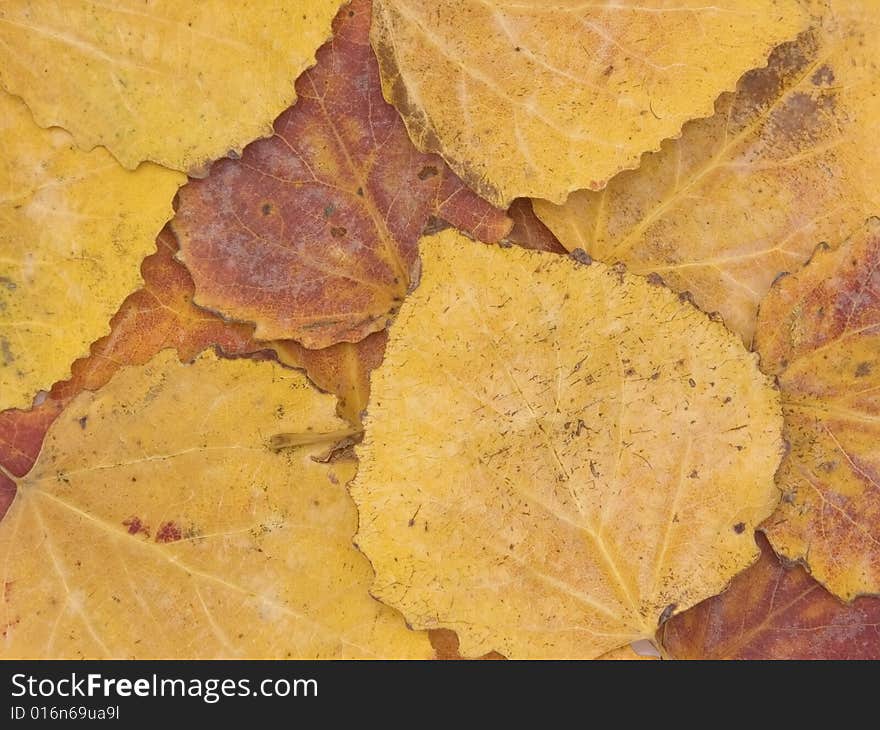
[529, 231]
[819, 334]
[774, 611]
[312, 234]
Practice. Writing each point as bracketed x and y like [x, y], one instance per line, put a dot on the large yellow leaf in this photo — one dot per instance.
[556, 455]
[788, 160]
[178, 83]
[74, 227]
[819, 334]
[538, 99]
[178, 512]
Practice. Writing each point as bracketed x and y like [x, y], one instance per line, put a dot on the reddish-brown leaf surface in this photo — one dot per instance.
[529, 231]
[771, 611]
[819, 334]
[312, 234]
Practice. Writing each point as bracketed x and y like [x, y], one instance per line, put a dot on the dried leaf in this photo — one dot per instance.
[819, 334]
[558, 456]
[176, 83]
[312, 234]
[787, 161]
[196, 538]
[771, 611]
[74, 227]
[342, 369]
[161, 315]
[520, 108]
[529, 231]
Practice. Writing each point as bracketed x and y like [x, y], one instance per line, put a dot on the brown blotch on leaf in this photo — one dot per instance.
[136, 526]
[169, 532]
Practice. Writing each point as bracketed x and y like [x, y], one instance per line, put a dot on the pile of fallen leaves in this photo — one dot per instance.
[527, 329]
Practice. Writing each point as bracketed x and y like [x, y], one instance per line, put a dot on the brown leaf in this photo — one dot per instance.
[529, 231]
[312, 234]
[771, 611]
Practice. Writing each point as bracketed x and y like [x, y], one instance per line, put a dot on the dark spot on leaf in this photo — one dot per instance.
[581, 256]
[863, 369]
[739, 528]
[82, 421]
[338, 231]
[427, 171]
[6, 351]
[135, 525]
[168, 532]
[823, 76]
[267, 208]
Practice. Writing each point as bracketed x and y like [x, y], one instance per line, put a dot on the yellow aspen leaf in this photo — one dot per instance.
[539, 99]
[558, 456]
[177, 83]
[819, 334]
[74, 227]
[788, 159]
[168, 515]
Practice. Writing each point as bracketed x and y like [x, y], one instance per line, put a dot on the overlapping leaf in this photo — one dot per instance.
[771, 611]
[74, 227]
[162, 315]
[539, 99]
[176, 83]
[556, 456]
[819, 334]
[152, 529]
[788, 160]
[312, 234]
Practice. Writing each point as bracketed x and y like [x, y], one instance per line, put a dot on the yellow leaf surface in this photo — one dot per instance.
[819, 334]
[788, 160]
[165, 518]
[74, 227]
[178, 83]
[558, 456]
[538, 99]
